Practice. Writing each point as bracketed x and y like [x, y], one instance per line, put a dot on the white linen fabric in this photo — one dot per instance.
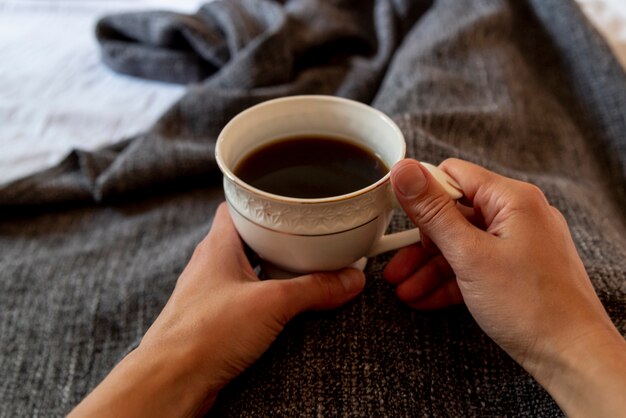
[55, 95]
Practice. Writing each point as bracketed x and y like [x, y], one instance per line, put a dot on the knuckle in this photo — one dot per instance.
[534, 194]
[558, 214]
[201, 248]
[450, 162]
[529, 198]
[430, 208]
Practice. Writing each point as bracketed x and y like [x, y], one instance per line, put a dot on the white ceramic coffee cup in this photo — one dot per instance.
[304, 235]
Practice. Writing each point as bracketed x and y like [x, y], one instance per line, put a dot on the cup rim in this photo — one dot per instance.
[319, 97]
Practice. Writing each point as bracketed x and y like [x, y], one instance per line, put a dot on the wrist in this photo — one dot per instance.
[152, 381]
[586, 377]
[177, 378]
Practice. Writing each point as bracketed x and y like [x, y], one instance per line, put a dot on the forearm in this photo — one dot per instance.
[588, 379]
[150, 383]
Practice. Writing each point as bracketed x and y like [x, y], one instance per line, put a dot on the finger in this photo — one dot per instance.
[223, 243]
[445, 295]
[466, 211]
[223, 228]
[316, 291]
[430, 207]
[425, 280]
[473, 215]
[489, 192]
[405, 262]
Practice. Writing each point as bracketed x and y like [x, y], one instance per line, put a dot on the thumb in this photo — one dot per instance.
[325, 290]
[429, 206]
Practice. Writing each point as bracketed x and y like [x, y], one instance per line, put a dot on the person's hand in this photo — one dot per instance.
[218, 321]
[509, 256]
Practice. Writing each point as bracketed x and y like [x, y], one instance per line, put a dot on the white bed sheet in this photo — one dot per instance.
[55, 95]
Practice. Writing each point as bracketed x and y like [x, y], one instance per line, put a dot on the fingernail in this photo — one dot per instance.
[408, 180]
[352, 280]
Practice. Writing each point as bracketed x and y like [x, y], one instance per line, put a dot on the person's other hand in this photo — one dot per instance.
[218, 321]
[508, 254]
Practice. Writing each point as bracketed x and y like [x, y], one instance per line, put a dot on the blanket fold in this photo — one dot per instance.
[90, 249]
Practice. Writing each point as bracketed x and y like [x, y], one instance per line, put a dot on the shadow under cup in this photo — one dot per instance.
[305, 235]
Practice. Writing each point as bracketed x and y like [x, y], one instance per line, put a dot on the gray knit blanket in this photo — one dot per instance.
[90, 250]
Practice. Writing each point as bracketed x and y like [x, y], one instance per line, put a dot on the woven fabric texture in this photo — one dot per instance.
[91, 249]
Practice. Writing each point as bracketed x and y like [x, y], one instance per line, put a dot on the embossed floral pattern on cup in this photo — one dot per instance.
[307, 218]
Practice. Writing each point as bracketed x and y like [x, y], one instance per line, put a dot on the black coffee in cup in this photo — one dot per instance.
[310, 166]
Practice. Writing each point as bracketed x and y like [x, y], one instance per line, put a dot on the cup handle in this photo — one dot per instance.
[411, 236]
